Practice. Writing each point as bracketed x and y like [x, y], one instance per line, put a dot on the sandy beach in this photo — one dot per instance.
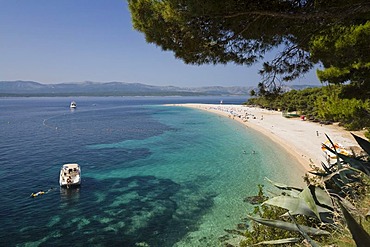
[302, 139]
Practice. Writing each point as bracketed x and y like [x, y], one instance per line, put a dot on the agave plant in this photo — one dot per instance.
[311, 201]
[322, 201]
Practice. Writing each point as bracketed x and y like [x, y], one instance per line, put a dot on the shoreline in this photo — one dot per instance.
[301, 139]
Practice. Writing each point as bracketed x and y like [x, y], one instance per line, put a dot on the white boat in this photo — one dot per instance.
[70, 175]
[73, 105]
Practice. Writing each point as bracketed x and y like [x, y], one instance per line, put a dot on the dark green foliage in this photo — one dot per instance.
[294, 100]
[343, 50]
[353, 113]
[322, 104]
[242, 32]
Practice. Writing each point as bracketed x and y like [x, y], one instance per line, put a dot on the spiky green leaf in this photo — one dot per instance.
[289, 226]
[294, 205]
[309, 200]
[355, 163]
[349, 160]
[283, 186]
[280, 241]
[303, 233]
[361, 237]
[322, 197]
[327, 169]
[365, 145]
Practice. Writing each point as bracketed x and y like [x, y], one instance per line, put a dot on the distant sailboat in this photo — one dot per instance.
[73, 105]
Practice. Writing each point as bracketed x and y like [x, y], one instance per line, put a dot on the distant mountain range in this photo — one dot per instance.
[31, 88]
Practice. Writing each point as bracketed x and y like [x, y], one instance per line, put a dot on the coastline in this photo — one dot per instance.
[301, 139]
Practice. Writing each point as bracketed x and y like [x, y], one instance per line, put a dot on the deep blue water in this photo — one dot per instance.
[152, 175]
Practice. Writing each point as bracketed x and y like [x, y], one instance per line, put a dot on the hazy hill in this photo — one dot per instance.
[31, 88]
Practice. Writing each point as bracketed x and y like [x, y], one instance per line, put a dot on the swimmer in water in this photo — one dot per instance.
[41, 192]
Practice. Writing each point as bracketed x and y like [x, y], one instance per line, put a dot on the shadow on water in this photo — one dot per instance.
[70, 195]
[118, 157]
[135, 211]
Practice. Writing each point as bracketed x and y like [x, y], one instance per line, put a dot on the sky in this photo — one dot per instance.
[93, 40]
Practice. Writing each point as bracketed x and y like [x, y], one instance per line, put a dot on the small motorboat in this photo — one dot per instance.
[70, 175]
[73, 105]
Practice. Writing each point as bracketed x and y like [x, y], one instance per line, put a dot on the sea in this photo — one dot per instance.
[153, 174]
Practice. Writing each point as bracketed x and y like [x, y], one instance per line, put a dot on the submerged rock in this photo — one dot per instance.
[255, 199]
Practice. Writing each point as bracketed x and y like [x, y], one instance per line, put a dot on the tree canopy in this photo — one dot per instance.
[344, 53]
[208, 31]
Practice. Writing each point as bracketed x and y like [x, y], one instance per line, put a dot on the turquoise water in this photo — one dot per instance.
[153, 175]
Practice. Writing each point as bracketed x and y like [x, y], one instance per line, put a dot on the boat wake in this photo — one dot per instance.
[45, 122]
